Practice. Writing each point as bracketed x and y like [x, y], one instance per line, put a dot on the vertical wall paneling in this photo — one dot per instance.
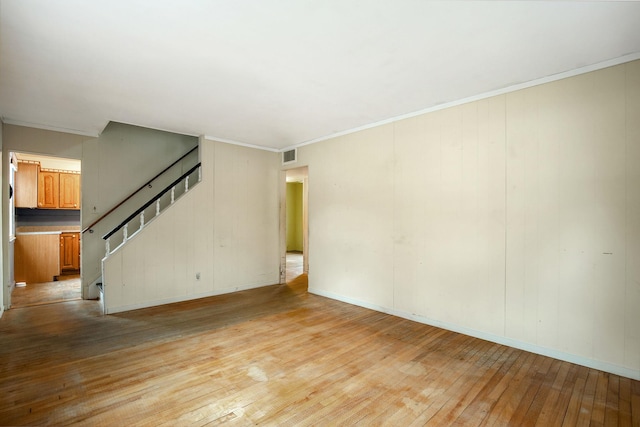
[550, 170]
[522, 205]
[413, 162]
[203, 212]
[607, 119]
[488, 288]
[632, 217]
[226, 188]
[112, 273]
[132, 285]
[576, 299]
[225, 229]
[352, 213]
[431, 190]
[515, 218]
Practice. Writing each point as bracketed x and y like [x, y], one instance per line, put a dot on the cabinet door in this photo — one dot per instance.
[69, 251]
[26, 183]
[69, 191]
[48, 189]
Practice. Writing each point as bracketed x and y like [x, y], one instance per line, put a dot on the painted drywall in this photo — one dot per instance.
[294, 216]
[222, 236]
[515, 218]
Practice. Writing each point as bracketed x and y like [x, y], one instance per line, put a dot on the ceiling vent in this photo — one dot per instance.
[290, 156]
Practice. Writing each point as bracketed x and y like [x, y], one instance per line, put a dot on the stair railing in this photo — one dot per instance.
[142, 187]
[167, 197]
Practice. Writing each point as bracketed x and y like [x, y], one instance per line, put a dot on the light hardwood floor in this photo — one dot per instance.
[280, 356]
[65, 289]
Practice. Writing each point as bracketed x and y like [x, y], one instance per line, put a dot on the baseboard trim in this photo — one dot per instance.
[498, 339]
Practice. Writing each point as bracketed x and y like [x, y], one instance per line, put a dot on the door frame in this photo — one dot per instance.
[8, 262]
[300, 173]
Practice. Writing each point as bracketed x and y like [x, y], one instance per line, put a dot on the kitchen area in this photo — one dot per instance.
[46, 224]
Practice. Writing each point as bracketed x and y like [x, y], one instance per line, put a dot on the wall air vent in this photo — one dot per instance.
[290, 156]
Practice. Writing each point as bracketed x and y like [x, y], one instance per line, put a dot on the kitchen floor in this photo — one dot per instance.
[65, 289]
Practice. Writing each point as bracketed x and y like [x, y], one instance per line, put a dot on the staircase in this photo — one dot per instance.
[137, 218]
[154, 207]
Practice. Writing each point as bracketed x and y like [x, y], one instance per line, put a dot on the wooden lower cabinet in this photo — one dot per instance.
[36, 257]
[69, 252]
[41, 256]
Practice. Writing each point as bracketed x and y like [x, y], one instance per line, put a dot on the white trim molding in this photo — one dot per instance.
[502, 91]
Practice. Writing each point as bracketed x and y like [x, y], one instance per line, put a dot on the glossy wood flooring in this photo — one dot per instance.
[65, 289]
[280, 356]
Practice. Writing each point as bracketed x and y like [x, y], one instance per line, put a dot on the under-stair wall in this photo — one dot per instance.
[114, 165]
[220, 237]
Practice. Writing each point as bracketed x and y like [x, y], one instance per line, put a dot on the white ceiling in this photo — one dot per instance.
[276, 73]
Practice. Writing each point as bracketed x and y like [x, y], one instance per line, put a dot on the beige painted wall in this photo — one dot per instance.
[4, 246]
[515, 218]
[294, 216]
[226, 228]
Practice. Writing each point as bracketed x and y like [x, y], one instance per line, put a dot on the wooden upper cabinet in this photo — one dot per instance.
[69, 191]
[26, 185]
[48, 189]
[58, 190]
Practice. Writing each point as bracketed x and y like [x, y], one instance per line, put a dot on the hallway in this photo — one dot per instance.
[294, 265]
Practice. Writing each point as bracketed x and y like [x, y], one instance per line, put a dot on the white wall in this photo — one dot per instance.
[226, 228]
[515, 218]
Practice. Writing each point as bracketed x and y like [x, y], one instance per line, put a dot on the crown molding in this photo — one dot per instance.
[552, 78]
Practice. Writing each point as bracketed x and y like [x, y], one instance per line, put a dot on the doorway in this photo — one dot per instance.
[296, 230]
[45, 222]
